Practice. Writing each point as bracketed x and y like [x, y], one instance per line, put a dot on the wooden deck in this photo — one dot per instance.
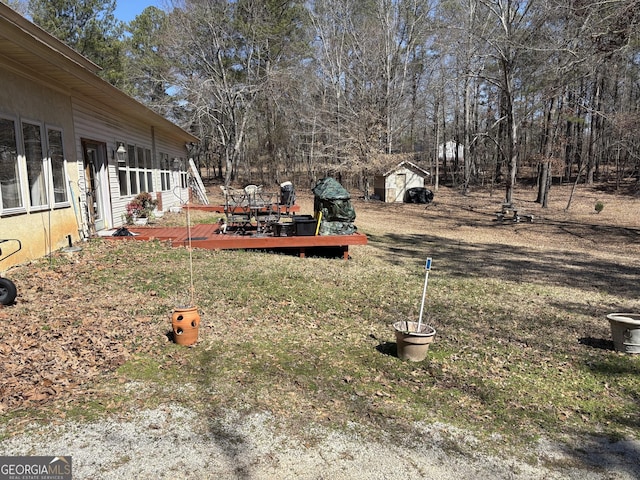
[206, 236]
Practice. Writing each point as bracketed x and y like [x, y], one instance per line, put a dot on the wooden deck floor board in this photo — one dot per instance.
[206, 236]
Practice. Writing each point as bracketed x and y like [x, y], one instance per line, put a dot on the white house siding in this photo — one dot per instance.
[41, 230]
[448, 151]
[176, 195]
[93, 123]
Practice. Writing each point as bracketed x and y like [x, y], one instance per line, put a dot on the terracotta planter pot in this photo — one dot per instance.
[185, 322]
[412, 344]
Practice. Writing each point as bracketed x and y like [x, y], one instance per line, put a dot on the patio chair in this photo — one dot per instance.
[252, 191]
[236, 209]
[265, 208]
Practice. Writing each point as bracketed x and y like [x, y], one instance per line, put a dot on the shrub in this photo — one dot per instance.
[599, 206]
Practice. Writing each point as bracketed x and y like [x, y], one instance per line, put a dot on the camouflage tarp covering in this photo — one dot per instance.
[333, 200]
[336, 228]
[330, 189]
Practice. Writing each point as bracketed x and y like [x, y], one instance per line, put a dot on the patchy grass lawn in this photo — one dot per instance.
[522, 346]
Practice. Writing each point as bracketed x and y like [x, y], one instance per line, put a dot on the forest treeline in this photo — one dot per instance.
[538, 91]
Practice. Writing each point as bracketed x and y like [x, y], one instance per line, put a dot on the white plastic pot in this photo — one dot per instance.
[625, 330]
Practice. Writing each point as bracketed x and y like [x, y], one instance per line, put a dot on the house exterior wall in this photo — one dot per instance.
[448, 151]
[95, 123]
[176, 195]
[32, 102]
[41, 229]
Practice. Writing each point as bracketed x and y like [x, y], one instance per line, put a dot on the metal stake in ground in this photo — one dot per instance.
[424, 293]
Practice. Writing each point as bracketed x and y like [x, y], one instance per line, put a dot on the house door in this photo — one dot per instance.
[96, 184]
[401, 186]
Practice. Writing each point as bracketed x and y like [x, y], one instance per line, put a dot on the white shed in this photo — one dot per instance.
[393, 184]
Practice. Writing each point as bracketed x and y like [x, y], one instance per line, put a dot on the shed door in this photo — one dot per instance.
[401, 186]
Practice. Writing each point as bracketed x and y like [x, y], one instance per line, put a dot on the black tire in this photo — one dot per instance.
[8, 291]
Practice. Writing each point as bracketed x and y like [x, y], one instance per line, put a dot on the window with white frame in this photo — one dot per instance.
[31, 167]
[58, 174]
[184, 181]
[148, 166]
[32, 138]
[145, 169]
[142, 177]
[122, 169]
[135, 171]
[10, 191]
[165, 172]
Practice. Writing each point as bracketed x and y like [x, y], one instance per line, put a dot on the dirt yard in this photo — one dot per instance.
[472, 218]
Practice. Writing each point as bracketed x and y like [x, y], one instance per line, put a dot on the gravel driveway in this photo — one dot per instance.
[171, 442]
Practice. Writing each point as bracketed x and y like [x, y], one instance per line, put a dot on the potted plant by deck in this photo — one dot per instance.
[140, 209]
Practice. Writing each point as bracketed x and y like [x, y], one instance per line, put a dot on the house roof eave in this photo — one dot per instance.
[35, 51]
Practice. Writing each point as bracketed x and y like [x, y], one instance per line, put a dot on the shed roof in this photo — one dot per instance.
[29, 50]
[410, 166]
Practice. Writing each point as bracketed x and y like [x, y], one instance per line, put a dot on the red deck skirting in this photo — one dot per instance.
[207, 237]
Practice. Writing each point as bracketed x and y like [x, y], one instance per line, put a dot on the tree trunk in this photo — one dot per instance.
[548, 144]
[466, 135]
[546, 179]
[512, 132]
[436, 127]
[573, 189]
[593, 130]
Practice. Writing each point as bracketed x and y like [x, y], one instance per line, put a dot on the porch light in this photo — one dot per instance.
[121, 152]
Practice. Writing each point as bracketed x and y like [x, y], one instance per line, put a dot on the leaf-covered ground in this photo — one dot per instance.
[69, 327]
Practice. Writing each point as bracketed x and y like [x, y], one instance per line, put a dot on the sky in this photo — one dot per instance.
[127, 10]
